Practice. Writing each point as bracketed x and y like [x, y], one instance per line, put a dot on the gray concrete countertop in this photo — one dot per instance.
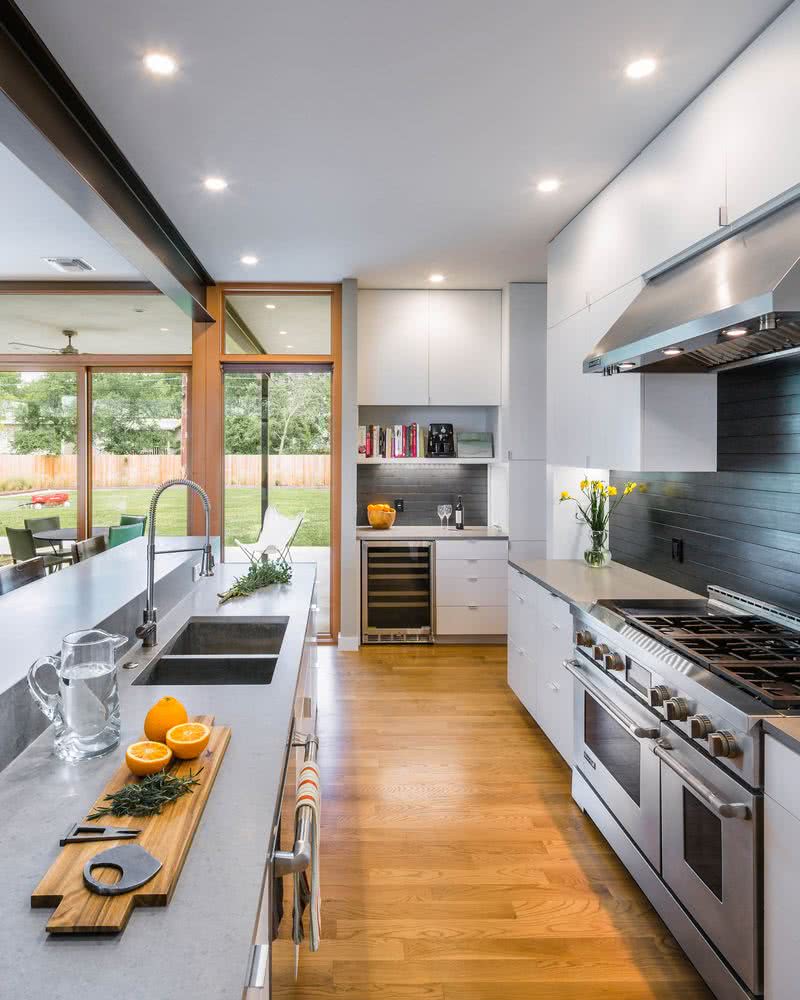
[574, 581]
[203, 936]
[786, 731]
[402, 532]
[35, 618]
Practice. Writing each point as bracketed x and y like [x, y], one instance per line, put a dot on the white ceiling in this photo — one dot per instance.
[36, 223]
[106, 324]
[387, 140]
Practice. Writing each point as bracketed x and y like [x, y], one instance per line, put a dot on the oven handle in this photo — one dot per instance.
[291, 862]
[628, 724]
[725, 810]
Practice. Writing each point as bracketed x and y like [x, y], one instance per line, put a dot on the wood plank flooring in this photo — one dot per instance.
[455, 865]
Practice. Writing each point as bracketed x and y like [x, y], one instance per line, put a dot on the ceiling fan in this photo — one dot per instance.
[68, 349]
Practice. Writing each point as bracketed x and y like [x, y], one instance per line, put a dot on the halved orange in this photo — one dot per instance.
[147, 757]
[188, 740]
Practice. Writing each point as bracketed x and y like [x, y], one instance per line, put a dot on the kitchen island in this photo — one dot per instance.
[200, 943]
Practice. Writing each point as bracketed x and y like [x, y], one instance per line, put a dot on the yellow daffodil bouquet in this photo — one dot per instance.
[596, 504]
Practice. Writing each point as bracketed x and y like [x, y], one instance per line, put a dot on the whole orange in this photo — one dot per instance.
[166, 713]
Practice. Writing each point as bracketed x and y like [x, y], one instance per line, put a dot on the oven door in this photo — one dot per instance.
[614, 736]
[710, 846]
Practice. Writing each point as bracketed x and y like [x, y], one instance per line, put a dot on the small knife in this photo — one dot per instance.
[87, 833]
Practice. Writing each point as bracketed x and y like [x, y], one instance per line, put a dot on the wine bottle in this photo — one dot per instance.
[459, 514]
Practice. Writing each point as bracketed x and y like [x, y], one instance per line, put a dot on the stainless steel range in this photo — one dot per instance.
[669, 701]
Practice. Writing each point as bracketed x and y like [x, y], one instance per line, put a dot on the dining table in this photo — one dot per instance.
[55, 536]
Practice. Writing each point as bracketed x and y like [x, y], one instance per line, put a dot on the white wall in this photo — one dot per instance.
[567, 537]
[349, 625]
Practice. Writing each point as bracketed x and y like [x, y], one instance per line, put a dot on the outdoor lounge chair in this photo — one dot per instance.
[277, 534]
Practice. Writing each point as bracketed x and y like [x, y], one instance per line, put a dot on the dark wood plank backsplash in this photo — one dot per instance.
[740, 526]
[423, 488]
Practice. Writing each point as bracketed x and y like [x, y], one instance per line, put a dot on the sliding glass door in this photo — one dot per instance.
[139, 439]
[278, 455]
[38, 450]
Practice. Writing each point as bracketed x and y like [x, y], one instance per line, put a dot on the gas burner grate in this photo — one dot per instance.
[757, 655]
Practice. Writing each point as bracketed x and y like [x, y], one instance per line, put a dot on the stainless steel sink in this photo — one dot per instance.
[219, 651]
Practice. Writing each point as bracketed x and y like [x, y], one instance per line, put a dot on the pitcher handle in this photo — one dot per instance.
[119, 641]
[46, 701]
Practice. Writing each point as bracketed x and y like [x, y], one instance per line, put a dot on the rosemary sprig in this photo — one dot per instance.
[262, 573]
[146, 797]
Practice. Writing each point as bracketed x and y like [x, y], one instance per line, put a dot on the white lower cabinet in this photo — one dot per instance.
[539, 640]
[471, 598]
[781, 870]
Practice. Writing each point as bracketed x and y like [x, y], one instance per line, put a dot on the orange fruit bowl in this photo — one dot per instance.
[166, 713]
[380, 517]
[188, 740]
[147, 757]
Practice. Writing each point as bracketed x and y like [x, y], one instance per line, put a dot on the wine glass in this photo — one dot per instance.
[448, 510]
[440, 510]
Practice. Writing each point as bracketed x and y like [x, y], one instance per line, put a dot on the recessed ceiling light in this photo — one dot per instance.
[640, 68]
[215, 183]
[436, 278]
[270, 305]
[165, 329]
[672, 351]
[548, 185]
[160, 64]
[248, 258]
[626, 366]
[282, 333]
[736, 331]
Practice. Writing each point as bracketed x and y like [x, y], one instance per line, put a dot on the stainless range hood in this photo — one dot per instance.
[736, 301]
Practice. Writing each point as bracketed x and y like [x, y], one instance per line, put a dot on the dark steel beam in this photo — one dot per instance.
[46, 123]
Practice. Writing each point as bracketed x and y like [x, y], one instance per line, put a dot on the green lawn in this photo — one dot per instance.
[242, 511]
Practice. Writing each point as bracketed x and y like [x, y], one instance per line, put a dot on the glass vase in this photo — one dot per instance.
[599, 555]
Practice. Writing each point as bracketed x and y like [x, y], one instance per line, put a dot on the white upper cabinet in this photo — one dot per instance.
[464, 348]
[392, 347]
[523, 414]
[643, 423]
[420, 347]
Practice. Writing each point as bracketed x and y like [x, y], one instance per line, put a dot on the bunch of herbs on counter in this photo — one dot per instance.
[262, 573]
[147, 796]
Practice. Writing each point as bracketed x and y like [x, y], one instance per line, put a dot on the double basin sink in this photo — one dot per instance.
[219, 651]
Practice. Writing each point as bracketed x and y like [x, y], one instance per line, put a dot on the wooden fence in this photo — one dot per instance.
[24, 472]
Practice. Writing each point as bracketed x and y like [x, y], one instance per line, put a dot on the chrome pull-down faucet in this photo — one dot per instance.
[148, 630]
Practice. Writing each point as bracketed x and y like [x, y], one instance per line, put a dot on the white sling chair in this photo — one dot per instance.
[277, 534]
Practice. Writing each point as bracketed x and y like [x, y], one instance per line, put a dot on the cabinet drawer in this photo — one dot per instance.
[470, 621]
[781, 773]
[554, 706]
[523, 587]
[472, 549]
[464, 568]
[522, 676]
[489, 592]
[554, 612]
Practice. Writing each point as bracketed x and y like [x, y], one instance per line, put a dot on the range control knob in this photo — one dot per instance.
[700, 726]
[584, 638]
[601, 651]
[722, 744]
[677, 709]
[614, 662]
[657, 695]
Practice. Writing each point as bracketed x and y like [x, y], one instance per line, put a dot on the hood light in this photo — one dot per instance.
[671, 352]
[626, 366]
[736, 331]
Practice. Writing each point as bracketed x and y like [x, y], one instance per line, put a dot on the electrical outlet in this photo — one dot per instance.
[399, 505]
[677, 549]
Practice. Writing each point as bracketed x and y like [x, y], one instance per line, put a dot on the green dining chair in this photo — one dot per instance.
[119, 534]
[35, 524]
[134, 519]
[23, 547]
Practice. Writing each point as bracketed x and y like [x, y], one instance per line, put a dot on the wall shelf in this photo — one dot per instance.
[425, 461]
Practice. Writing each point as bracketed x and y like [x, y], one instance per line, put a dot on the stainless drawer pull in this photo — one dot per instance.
[553, 686]
[628, 724]
[556, 628]
[725, 810]
[289, 862]
[472, 579]
[520, 599]
[257, 967]
[472, 607]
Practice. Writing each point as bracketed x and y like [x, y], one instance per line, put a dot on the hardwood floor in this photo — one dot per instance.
[455, 865]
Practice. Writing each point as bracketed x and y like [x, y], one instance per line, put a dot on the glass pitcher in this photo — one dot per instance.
[85, 709]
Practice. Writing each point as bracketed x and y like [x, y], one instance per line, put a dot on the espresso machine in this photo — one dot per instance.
[441, 441]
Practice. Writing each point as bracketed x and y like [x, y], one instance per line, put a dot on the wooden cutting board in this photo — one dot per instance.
[167, 837]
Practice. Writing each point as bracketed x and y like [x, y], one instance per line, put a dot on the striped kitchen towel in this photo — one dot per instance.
[307, 891]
